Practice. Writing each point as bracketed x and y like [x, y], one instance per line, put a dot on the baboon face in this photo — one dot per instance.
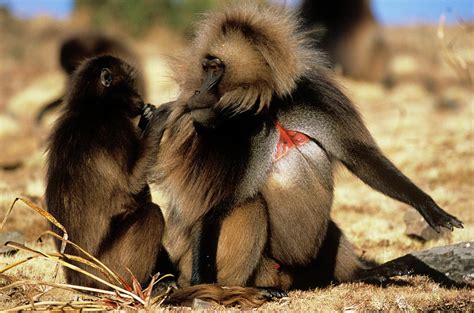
[111, 82]
[202, 105]
[264, 57]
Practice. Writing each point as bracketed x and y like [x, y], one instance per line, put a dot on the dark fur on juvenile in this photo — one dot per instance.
[79, 47]
[98, 165]
[351, 36]
[242, 214]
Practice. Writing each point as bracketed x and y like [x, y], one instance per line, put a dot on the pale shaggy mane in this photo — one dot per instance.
[263, 48]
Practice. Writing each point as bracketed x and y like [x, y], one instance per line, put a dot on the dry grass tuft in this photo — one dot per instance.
[459, 64]
[119, 296]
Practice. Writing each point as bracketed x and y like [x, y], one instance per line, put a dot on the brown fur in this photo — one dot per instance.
[188, 167]
[191, 169]
[223, 178]
[236, 259]
[98, 164]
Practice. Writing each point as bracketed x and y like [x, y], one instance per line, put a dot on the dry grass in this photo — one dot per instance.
[119, 295]
[432, 144]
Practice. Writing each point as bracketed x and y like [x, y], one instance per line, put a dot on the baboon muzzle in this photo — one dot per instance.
[202, 104]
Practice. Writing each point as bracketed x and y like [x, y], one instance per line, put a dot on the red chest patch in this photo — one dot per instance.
[288, 140]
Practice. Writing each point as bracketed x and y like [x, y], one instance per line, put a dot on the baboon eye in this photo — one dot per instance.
[106, 77]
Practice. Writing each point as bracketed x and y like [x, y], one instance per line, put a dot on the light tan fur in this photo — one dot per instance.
[268, 273]
[242, 241]
[245, 298]
[292, 187]
[267, 60]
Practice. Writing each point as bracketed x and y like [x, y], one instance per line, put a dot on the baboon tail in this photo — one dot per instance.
[244, 297]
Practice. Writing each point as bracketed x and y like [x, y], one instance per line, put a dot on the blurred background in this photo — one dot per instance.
[389, 12]
[34, 29]
[407, 64]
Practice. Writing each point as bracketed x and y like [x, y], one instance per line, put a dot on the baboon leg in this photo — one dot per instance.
[269, 273]
[348, 264]
[79, 231]
[135, 244]
[336, 262]
[242, 241]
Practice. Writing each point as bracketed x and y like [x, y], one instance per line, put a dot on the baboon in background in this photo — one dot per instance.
[248, 156]
[99, 162]
[77, 48]
[350, 34]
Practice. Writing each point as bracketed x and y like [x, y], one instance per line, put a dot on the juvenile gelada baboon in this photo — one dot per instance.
[79, 47]
[99, 161]
[350, 34]
[248, 155]
[98, 164]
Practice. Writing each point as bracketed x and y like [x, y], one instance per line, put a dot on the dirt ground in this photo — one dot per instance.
[424, 124]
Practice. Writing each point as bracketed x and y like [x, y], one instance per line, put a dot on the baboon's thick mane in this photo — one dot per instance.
[263, 48]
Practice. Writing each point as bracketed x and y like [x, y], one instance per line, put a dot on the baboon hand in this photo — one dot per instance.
[147, 111]
[147, 114]
[201, 108]
[273, 293]
[437, 218]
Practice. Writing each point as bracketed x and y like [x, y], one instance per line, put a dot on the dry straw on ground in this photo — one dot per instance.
[119, 294]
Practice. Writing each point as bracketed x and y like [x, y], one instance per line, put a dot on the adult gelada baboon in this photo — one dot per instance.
[79, 47]
[350, 34]
[248, 156]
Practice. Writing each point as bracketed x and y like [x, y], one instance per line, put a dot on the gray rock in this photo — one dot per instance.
[456, 262]
[451, 265]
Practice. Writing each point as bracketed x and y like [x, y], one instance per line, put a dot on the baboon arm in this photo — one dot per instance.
[333, 122]
[149, 147]
[372, 167]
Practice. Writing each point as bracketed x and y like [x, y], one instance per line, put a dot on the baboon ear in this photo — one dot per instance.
[106, 77]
